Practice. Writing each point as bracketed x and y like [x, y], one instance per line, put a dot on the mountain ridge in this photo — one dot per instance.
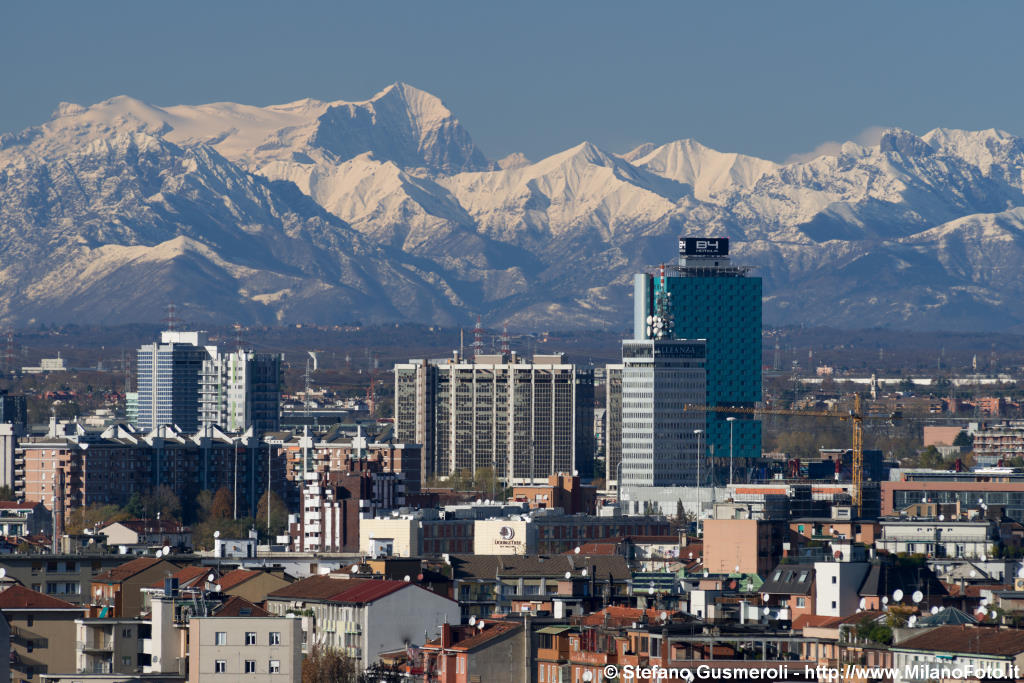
[387, 208]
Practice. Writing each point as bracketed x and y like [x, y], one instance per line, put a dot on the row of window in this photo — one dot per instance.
[249, 666]
[221, 638]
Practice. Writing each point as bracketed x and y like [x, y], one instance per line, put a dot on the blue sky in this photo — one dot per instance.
[771, 79]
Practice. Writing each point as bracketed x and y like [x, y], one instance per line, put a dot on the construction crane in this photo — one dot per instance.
[855, 416]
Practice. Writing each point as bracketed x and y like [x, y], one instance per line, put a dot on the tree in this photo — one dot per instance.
[278, 515]
[223, 505]
[6, 493]
[328, 665]
[94, 515]
[964, 440]
[931, 458]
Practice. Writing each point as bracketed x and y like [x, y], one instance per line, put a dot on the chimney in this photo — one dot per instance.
[446, 635]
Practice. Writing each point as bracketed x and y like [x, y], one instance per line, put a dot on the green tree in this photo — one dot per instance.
[6, 493]
[930, 457]
[964, 440]
[278, 515]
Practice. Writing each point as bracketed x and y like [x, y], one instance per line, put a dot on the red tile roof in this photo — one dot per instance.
[622, 616]
[328, 588]
[368, 591]
[186, 576]
[127, 570]
[985, 640]
[467, 638]
[19, 597]
[237, 606]
[14, 505]
[236, 577]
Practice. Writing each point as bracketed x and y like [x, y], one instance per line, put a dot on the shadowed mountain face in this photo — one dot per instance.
[386, 210]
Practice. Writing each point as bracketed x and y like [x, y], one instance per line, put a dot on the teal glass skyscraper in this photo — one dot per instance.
[713, 299]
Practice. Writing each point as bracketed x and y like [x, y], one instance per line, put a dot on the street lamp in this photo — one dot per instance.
[730, 420]
[698, 432]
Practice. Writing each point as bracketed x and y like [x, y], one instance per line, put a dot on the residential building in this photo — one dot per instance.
[118, 591]
[24, 519]
[660, 443]
[241, 389]
[487, 650]
[977, 653]
[139, 535]
[64, 576]
[363, 617]
[251, 584]
[245, 643]
[42, 630]
[13, 424]
[938, 537]
[562, 492]
[523, 420]
[167, 380]
[334, 502]
[707, 297]
[743, 545]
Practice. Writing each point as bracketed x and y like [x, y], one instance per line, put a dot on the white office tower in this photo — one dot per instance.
[659, 443]
[526, 420]
[167, 380]
[239, 390]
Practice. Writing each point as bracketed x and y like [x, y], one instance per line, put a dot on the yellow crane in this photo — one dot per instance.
[855, 416]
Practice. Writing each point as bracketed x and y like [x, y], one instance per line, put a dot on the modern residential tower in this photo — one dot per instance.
[167, 377]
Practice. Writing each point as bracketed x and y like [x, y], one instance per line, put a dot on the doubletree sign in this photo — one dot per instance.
[704, 246]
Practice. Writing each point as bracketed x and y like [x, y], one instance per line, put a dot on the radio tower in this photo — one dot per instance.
[506, 343]
[478, 338]
[170, 321]
[9, 353]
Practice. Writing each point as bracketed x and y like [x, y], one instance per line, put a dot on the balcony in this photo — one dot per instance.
[104, 644]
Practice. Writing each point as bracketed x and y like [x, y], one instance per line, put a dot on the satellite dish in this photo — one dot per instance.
[1020, 573]
[863, 603]
[766, 611]
[650, 591]
[217, 588]
[942, 518]
[664, 616]
[885, 600]
[576, 550]
[588, 676]
[210, 577]
[764, 596]
[737, 568]
[216, 534]
[691, 557]
[3, 572]
[167, 550]
[912, 620]
[407, 578]
[584, 572]
[935, 609]
[355, 569]
[98, 591]
[917, 597]
[472, 621]
[568, 575]
[973, 573]
[984, 558]
[480, 625]
[897, 594]
[924, 500]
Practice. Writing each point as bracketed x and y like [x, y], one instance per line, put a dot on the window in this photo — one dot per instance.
[275, 638]
[250, 666]
[220, 638]
[835, 579]
[126, 632]
[800, 602]
[250, 637]
[126, 661]
[220, 666]
[275, 666]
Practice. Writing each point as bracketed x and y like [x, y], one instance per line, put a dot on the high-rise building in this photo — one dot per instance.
[612, 424]
[707, 297]
[526, 420]
[660, 446]
[239, 390]
[167, 379]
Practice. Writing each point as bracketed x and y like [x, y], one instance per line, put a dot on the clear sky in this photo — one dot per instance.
[772, 79]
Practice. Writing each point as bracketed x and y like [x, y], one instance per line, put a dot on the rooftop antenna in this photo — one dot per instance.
[478, 338]
[238, 335]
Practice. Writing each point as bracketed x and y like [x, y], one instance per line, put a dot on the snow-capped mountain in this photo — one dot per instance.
[385, 209]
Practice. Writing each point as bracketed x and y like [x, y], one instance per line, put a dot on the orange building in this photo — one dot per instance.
[562, 491]
[753, 545]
